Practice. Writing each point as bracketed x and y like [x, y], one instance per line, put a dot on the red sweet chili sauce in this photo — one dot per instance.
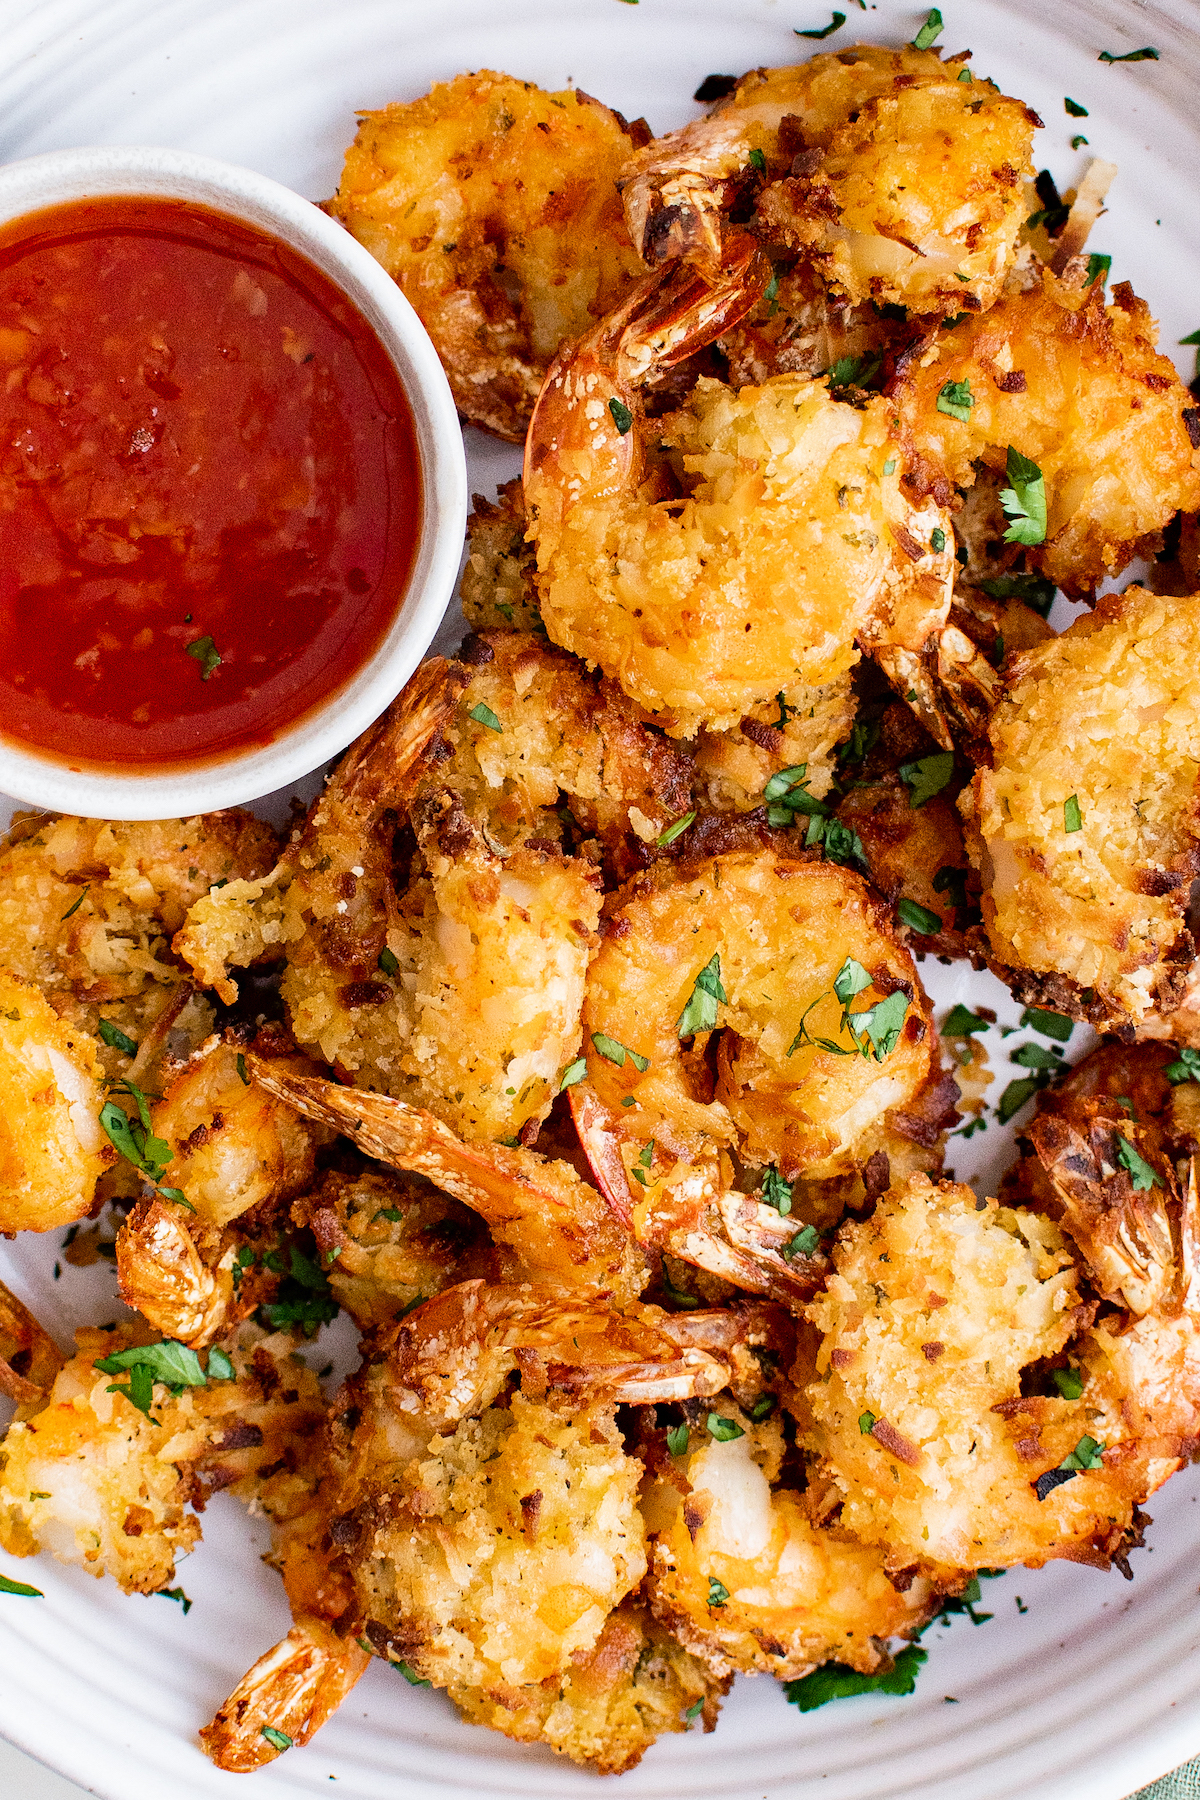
[210, 489]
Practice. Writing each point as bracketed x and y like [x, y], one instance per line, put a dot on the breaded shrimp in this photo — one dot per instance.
[52, 1150]
[494, 206]
[1085, 829]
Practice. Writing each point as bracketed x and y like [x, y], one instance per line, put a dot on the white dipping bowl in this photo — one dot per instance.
[39, 182]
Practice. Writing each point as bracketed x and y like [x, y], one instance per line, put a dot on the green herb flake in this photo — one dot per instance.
[20, 1588]
[573, 1073]
[170, 1362]
[804, 1243]
[718, 1593]
[841, 845]
[1034, 590]
[694, 1710]
[406, 1669]
[1072, 817]
[961, 1022]
[1074, 109]
[927, 776]
[1024, 502]
[763, 1407]
[220, 1368]
[757, 161]
[918, 918]
[132, 1137]
[866, 1423]
[78, 903]
[1032, 1056]
[483, 715]
[675, 830]
[1141, 1174]
[1085, 1455]
[243, 1077]
[700, 1013]
[206, 654]
[882, 1023]
[178, 1595]
[1069, 1382]
[388, 963]
[1015, 1096]
[1078, 142]
[889, 467]
[930, 31]
[835, 24]
[937, 540]
[723, 1430]
[677, 1440]
[1186, 1069]
[834, 1681]
[956, 399]
[113, 1036]
[1098, 267]
[278, 1740]
[614, 1052]
[622, 418]
[1050, 1024]
[776, 1192]
[1146, 54]
[965, 75]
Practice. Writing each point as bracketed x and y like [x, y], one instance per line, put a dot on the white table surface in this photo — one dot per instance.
[23, 1779]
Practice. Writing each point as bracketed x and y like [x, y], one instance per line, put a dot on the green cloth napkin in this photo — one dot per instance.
[1184, 1784]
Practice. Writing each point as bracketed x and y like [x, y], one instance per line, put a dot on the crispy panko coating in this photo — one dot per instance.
[800, 725]
[784, 535]
[794, 1083]
[1079, 389]
[1102, 716]
[938, 1305]
[898, 175]
[104, 1486]
[741, 1574]
[396, 1240]
[803, 329]
[494, 206]
[498, 589]
[52, 1150]
[88, 907]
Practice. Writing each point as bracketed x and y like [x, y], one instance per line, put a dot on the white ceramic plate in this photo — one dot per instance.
[1082, 1686]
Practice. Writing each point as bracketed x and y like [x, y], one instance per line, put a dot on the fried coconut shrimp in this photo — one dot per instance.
[88, 909]
[1085, 830]
[823, 1029]
[800, 726]
[747, 554]
[102, 1484]
[741, 1574]
[494, 206]
[898, 175]
[498, 589]
[234, 1149]
[52, 1150]
[1077, 388]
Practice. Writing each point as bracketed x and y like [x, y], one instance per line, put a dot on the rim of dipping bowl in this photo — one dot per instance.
[144, 171]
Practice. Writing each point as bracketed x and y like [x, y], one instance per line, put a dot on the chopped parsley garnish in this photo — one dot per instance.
[303, 1300]
[763, 1407]
[1050, 1024]
[1146, 54]
[1077, 142]
[614, 1052]
[20, 1588]
[1069, 1382]
[777, 1192]
[883, 1023]
[804, 1242]
[409, 1673]
[112, 1034]
[243, 1077]
[862, 739]
[1016, 1095]
[967, 1601]
[1072, 817]
[880, 1024]
[483, 715]
[953, 882]
[786, 712]
[694, 1710]
[927, 776]
[675, 1295]
[757, 161]
[278, 1740]
[1024, 502]
[866, 1423]
[178, 1595]
[835, 1681]
[172, 1363]
[133, 1138]
[1032, 1056]
[889, 467]
[644, 1163]
[675, 829]
[1186, 1069]
[956, 399]
[1085, 1455]
[918, 918]
[1035, 590]
[965, 75]
[219, 1366]
[961, 1022]
[930, 31]
[573, 1072]
[937, 540]
[206, 654]
[718, 1593]
[388, 963]
[622, 418]
[723, 1430]
[840, 844]
[1098, 267]
[786, 795]
[77, 904]
[677, 1439]
[1074, 109]
[1141, 1174]
[700, 1013]
[835, 24]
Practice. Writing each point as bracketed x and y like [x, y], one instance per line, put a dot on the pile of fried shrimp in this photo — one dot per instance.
[574, 1043]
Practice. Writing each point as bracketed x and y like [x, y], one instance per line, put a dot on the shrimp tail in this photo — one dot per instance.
[29, 1358]
[290, 1692]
